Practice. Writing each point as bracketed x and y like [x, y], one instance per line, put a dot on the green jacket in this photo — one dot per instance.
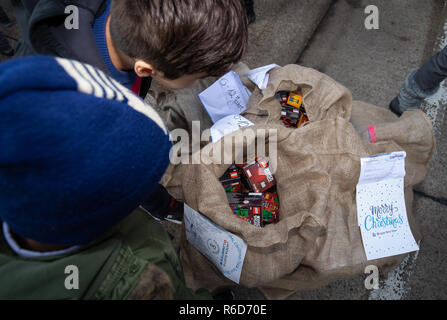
[135, 260]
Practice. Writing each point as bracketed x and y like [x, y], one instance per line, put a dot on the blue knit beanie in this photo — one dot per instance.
[78, 151]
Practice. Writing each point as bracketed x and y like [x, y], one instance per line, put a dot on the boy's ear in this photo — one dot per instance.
[144, 69]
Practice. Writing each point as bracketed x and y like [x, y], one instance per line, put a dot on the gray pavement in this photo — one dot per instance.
[282, 30]
[428, 278]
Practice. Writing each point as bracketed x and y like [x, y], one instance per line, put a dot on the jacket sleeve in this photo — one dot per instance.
[150, 242]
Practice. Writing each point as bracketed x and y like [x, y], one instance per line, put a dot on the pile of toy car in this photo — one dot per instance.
[293, 113]
[251, 192]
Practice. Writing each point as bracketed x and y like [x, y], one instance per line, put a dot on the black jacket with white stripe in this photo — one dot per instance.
[42, 24]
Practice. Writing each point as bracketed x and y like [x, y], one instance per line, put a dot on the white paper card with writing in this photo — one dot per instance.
[227, 96]
[224, 249]
[381, 210]
[228, 125]
[260, 76]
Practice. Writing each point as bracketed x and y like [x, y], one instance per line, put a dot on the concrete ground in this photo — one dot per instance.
[282, 30]
[330, 36]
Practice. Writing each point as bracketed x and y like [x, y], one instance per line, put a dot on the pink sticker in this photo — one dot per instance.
[372, 134]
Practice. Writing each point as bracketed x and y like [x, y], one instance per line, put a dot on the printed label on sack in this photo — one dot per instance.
[224, 249]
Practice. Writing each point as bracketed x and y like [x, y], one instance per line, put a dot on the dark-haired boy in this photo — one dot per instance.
[173, 42]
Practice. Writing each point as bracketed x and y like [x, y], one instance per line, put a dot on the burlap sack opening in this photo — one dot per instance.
[282, 246]
[323, 98]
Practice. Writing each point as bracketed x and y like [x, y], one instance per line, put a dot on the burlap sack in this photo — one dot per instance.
[317, 239]
[323, 97]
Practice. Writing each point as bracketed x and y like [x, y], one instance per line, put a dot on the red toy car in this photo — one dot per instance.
[259, 176]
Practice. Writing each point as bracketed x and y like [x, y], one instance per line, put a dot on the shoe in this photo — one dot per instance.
[394, 107]
[174, 212]
[4, 19]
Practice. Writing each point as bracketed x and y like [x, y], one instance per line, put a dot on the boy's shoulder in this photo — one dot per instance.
[44, 29]
[40, 10]
[120, 265]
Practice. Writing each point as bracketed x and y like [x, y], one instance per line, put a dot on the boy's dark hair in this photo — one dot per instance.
[180, 37]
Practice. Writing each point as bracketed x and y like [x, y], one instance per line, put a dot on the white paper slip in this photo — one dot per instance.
[381, 210]
[227, 96]
[228, 125]
[224, 249]
[382, 167]
[260, 76]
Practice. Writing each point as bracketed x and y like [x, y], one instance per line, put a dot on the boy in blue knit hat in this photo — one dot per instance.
[76, 160]
[173, 42]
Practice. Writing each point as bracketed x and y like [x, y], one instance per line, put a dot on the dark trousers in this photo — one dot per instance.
[249, 6]
[433, 72]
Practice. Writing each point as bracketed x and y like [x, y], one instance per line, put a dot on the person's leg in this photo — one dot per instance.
[432, 73]
[421, 83]
[410, 96]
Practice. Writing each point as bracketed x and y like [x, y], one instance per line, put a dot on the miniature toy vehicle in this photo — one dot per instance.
[259, 176]
[295, 99]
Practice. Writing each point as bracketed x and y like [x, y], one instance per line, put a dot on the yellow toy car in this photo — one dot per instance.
[295, 99]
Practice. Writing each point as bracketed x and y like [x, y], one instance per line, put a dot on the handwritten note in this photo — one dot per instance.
[381, 211]
[227, 96]
[224, 249]
[228, 125]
